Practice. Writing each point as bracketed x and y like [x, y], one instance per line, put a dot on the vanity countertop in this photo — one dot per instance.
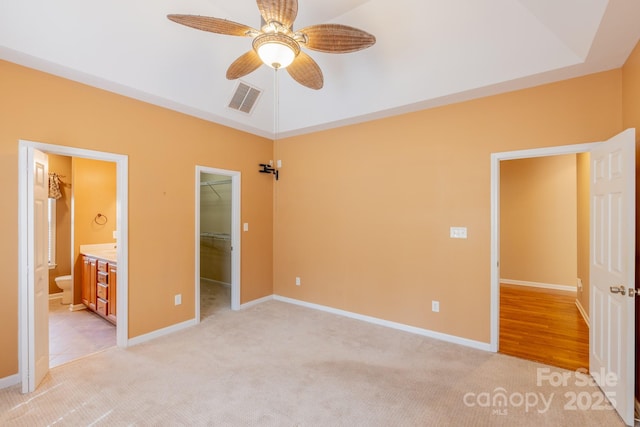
[106, 251]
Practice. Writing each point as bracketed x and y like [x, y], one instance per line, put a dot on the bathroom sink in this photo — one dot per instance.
[105, 250]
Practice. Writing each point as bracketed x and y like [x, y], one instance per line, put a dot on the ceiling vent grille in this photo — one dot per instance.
[244, 98]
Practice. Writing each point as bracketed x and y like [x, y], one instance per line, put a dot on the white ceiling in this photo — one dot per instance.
[428, 53]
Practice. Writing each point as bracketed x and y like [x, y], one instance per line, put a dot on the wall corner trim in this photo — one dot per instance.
[394, 325]
[256, 302]
[161, 332]
[583, 312]
[9, 381]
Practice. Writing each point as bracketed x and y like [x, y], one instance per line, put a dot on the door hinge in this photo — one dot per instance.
[633, 292]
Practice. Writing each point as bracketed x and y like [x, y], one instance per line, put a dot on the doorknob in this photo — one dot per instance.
[618, 290]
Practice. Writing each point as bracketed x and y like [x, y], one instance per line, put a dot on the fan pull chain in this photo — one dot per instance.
[276, 104]
[276, 117]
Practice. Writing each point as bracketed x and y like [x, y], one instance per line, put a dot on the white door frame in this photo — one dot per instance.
[496, 158]
[25, 229]
[235, 235]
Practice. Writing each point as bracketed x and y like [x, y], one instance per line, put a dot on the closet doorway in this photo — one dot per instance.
[217, 241]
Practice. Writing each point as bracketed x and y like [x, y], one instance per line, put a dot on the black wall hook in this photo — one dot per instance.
[268, 169]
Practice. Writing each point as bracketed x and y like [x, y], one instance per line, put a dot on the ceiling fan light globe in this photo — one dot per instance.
[276, 50]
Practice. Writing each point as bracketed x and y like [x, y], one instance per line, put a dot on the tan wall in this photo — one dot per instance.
[94, 192]
[631, 118]
[363, 212]
[583, 227]
[62, 166]
[538, 223]
[163, 149]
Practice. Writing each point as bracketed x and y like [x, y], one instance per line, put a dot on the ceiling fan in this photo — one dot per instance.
[278, 45]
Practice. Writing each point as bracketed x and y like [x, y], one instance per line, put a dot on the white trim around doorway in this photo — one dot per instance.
[122, 209]
[496, 158]
[235, 235]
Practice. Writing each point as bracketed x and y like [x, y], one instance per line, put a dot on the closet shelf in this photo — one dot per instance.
[215, 236]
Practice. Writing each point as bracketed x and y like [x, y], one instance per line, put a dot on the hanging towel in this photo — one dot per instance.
[54, 186]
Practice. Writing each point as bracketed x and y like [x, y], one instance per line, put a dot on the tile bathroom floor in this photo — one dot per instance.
[75, 334]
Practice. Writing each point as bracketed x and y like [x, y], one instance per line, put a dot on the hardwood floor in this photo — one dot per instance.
[543, 325]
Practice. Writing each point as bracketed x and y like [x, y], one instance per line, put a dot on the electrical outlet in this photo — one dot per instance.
[579, 284]
[435, 306]
[297, 281]
[458, 232]
[177, 299]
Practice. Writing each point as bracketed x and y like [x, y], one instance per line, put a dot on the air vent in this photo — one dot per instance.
[244, 98]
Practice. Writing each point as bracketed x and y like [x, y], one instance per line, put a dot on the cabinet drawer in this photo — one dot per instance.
[103, 291]
[101, 307]
[103, 265]
[103, 277]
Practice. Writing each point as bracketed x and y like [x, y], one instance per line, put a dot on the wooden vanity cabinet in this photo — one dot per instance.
[99, 281]
[113, 285]
[89, 266]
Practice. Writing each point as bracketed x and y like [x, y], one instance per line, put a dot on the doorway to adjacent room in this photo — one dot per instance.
[217, 241]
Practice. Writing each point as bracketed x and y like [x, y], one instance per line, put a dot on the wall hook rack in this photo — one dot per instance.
[269, 169]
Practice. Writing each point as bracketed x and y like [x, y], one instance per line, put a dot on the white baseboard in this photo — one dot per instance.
[77, 307]
[55, 296]
[216, 281]
[566, 288]
[160, 332]
[256, 302]
[402, 327]
[9, 381]
[583, 312]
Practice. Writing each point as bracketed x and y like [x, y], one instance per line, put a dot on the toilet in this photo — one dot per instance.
[64, 283]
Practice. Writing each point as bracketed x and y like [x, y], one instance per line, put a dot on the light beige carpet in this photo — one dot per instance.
[277, 364]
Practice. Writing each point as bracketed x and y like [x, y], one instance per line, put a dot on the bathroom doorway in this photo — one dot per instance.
[217, 241]
[33, 325]
[75, 332]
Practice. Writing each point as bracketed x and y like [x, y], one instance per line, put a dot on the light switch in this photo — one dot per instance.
[245, 226]
[279, 163]
[458, 232]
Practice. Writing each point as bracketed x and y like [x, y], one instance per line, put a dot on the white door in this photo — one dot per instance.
[38, 284]
[612, 331]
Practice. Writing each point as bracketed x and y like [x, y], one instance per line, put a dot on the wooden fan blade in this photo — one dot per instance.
[244, 65]
[305, 71]
[282, 11]
[213, 25]
[336, 38]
